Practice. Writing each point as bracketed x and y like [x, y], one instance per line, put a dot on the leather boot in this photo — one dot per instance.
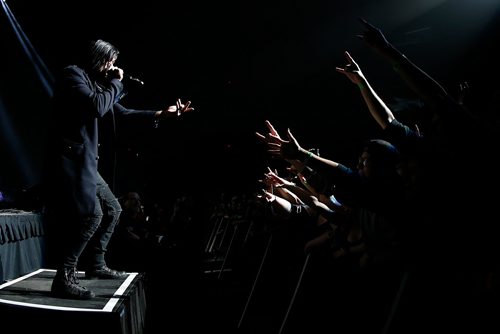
[66, 285]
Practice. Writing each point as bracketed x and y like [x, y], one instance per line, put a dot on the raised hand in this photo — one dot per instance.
[279, 148]
[267, 196]
[180, 108]
[351, 70]
[373, 36]
[272, 136]
[285, 149]
[268, 181]
[275, 180]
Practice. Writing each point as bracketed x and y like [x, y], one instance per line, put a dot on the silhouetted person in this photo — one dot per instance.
[77, 197]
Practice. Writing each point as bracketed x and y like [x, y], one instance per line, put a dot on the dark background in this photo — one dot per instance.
[240, 63]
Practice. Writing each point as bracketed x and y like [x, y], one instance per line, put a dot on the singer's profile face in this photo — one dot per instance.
[106, 67]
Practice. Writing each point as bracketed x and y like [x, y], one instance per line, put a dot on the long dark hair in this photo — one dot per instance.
[100, 52]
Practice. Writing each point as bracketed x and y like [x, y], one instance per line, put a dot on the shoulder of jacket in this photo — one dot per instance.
[73, 68]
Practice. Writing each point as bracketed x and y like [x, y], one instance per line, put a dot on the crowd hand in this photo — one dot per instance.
[285, 149]
[272, 136]
[176, 110]
[373, 37]
[268, 181]
[351, 70]
[267, 196]
[276, 180]
[302, 179]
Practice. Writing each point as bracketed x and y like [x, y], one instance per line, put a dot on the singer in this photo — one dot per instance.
[79, 207]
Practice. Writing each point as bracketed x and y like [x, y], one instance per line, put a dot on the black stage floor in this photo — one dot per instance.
[172, 301]
[119, 305]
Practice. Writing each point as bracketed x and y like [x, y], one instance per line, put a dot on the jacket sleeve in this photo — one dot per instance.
[120, 110]
[90, 96]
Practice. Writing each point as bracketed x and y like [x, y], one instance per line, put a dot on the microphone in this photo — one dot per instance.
[131, 78]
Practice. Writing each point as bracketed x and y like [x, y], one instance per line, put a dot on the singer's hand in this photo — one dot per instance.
[175, 110]
[114, 73]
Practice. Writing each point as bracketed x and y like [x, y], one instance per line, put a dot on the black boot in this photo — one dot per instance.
[66, 285]
[105, 273]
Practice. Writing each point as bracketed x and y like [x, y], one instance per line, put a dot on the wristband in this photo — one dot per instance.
[308, 156]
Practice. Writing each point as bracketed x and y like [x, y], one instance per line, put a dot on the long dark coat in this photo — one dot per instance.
[70, 174]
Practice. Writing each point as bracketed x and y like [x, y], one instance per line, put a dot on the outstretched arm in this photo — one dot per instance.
[298, 192]
[274, 184]
[418, 80]
[290, 149]
[280, 206]
[378, 109]
[174, 110]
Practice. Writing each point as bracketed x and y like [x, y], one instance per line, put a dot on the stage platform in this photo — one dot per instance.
[22, 243]
[118, 308]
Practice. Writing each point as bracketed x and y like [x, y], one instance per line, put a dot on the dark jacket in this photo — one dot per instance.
[72, 153]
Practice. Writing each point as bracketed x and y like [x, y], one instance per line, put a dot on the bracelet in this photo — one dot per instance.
[309, 156]
[361, 86]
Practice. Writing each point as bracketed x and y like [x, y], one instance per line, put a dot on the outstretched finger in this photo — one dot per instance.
[367, 24]
[265, 139]
[291, 137]
[276, 138]
[274, 147]
[271, 128]
[340, 70]
[258, 135]
[349, 58]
